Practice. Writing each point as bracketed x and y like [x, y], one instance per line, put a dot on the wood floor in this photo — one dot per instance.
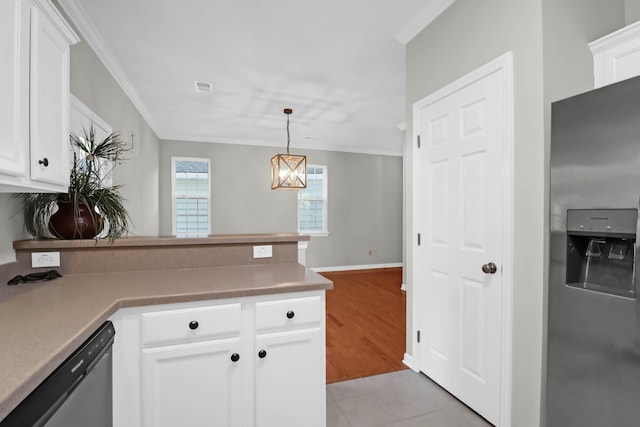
[365, 323]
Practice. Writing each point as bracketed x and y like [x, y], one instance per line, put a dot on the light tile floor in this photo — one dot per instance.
[403, 398]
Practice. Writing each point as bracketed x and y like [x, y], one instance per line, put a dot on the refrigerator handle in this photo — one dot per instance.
[636, 251]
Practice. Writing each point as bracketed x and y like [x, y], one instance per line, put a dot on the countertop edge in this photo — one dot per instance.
[151, 241]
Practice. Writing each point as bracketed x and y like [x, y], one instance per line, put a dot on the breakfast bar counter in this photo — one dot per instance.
[42, 323]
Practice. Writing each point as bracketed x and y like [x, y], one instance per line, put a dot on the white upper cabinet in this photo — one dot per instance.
[616, 56]
[14, 87]
[34, 114]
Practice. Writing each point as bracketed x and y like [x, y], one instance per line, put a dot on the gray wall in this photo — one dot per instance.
[469, 34]
[365, 200]
[632, 11]
[551, 61]
[11, 228]
[92, 83]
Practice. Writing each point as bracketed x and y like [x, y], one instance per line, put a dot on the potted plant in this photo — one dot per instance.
[90, 206]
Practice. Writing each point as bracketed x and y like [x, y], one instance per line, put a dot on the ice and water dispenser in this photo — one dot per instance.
[601, 250]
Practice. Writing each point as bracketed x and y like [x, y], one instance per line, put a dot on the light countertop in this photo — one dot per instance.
[41, 324]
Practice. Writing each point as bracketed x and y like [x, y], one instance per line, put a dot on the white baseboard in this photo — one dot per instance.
[408, 360]
[356, 267]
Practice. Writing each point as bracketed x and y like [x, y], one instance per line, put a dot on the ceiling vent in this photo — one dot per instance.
[203, 87]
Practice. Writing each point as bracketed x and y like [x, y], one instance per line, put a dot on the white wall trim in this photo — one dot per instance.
[89, 114]
[408, 360]
[91, 35]
[58, 21]
[503, 64]
[421, 20]
[356, 267]
[300, 145]
[630, 32]
[616, 56]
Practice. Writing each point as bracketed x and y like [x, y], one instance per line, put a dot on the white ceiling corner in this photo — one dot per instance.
[421, 20]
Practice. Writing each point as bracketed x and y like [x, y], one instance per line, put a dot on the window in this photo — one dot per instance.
[312, 202]
[191, 193]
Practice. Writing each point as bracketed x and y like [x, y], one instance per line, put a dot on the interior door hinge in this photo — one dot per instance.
[418, 336]
[418, 239]
[418, 141]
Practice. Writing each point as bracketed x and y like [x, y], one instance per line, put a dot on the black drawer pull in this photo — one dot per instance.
[262, 354]
[193, 324]
[235, 357]
[44, 162]
[290, 314]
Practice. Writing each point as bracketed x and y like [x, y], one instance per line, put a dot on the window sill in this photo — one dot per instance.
[316, 234]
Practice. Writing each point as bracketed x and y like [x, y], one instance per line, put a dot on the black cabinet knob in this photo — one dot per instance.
[44, 162]
[290, 314]
[262, 354]
[235, 357]
[193, 324]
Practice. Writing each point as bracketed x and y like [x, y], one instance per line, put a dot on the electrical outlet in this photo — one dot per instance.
[265, 251]
[45, 259]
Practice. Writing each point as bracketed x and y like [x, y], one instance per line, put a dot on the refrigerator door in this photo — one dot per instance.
[593, 363]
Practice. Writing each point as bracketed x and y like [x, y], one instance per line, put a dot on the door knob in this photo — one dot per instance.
[489, 268]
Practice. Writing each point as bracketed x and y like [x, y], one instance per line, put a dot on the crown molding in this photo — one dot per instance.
[299, 146]
[630, 32]
[90, 34]
[58, 21]
[421, 20]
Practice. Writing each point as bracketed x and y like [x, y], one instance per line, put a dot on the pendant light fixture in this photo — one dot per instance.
[288, 172]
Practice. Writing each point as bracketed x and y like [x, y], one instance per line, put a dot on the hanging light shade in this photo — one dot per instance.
[288, 172]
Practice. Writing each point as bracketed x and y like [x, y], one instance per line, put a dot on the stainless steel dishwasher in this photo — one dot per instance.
[77, 394]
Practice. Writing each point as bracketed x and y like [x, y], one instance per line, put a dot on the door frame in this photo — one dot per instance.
[503, 64]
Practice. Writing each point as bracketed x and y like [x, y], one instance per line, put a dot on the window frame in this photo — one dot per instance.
[174, 160]
[325, 200]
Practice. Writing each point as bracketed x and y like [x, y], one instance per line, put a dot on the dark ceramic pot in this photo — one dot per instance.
[67, 224]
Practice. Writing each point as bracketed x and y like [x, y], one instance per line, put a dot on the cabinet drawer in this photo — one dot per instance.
[191, 324]
[289, 313]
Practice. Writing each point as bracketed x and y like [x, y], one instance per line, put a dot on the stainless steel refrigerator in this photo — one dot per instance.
[593, 358]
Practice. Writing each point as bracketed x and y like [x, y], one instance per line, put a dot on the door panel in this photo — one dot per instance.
[459, 172]
[288, 383]
[192, 385]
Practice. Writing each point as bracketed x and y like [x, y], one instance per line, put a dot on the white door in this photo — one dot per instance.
[195, 385]
[290, 379]
[459, 208]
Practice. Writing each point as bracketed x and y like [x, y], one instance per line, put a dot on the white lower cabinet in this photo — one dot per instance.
[194, 385]
[288, 383]
[253, 361]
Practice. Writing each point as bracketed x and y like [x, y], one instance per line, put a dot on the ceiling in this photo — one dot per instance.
[336, 63]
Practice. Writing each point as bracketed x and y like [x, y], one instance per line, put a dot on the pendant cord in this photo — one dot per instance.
[288, 135]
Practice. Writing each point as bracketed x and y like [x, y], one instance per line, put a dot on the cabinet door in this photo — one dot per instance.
[193, 385]
[49, 102]
[290, 379]
[14, 87]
